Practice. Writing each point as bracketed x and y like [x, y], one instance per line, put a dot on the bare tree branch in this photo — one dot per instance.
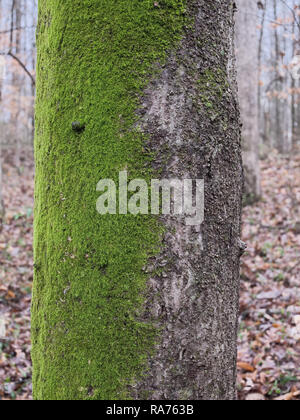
[292, 11]
[10, 51]
[13, 56]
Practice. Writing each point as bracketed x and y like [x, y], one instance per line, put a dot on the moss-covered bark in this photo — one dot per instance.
[99, 326]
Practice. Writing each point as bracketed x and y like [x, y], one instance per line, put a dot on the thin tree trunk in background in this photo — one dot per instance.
[29, 10]
[33, 65]
[125, 306]
[297, 112]
[267, 125]
[2, 207]
[263, 114]
[247, 61]
[278, 87]
[260, 44]
[286, 104]
[293, 82]
[297, 95]
[17, 79]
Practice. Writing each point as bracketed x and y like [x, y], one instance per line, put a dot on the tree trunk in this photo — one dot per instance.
[126, 306]
[295, 84]
[260, 53]
[17, 81]
[2, 207]
[247, 60]
[279, 133]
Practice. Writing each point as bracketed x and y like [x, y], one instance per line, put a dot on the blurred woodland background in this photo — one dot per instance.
[268, 57]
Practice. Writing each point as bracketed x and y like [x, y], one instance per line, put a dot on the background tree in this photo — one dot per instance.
[2, 69]
[279, 90]
[135, 306]
[247, 59]
[17, 48]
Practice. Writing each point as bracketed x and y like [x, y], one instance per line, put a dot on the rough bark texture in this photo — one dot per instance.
[247, 66]
[124, 306]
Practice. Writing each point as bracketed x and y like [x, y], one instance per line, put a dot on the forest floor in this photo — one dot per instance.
[269, 336]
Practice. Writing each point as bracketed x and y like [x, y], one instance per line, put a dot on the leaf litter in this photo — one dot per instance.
[269, 335]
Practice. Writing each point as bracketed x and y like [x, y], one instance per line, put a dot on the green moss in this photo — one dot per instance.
[94, 59]
[211, 88]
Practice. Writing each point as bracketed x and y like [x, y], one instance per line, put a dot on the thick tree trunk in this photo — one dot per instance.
[247, 60]
[127, 306]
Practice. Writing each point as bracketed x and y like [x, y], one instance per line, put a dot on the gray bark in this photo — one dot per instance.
[192, 117]
[247, 60]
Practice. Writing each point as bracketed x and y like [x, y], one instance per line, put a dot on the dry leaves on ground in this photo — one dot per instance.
[269, 338]
[15, 281]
